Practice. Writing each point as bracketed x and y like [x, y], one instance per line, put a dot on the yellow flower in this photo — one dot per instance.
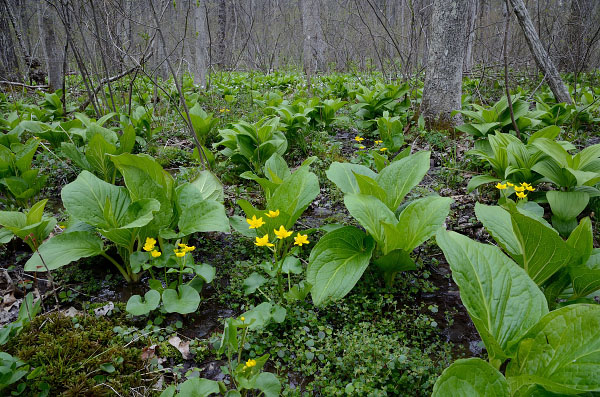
[383, 149]
[530, 188]
[282, 233]
[361, 147]
[359, 138]
[525, 184]
[509, 184]
[378, 142]
[301, 239]
[500, 186]
[180, 253]
[155, 253]
[243, 318]
[272, 214]
[250, 363]
[521, 195]
[149, 245]
[263, 241]
[255, 223]
[519, 189]
[61, 226]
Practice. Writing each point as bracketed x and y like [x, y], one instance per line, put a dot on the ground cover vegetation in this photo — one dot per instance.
[297, 231]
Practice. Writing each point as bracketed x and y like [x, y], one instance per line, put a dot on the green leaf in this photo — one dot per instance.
[64, 249]
[501, 299]
[183, 301]
[342, 175]
[336, 263]
[395, 261]
[370, 212]
[206, 186]
[291, 265]
[198, 387]
[260, 316]
[268, 384]
[398, 178]
[544, 252]
[87, 197]
[471, 377]
[137, 307]
[253, 282]
[498, 223]
[418, 222]
[479, 180]
[566, 206]
[206, 216]
[560, 353]
[294, 195]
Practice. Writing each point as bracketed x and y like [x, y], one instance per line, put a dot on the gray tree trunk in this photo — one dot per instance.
[9, 65]
[200, 44]
[53, 51]
[313, 46]
[542, 59]
[222, 20]
[443, 78]
[471, 25]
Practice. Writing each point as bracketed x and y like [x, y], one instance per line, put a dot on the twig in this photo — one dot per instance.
[29, 87]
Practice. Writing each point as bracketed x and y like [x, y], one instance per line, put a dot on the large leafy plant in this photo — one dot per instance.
[31, 226]
[391, 233]
[549, 352]
[371, 103]
[18, 180]
[149, 205]
[250, 145]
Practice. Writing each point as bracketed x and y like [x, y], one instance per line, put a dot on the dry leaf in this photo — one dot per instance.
[183, 347]
[148, 353]
[71, 312]
[104, 310]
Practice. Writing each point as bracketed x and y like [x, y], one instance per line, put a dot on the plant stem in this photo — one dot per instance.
[119, 267]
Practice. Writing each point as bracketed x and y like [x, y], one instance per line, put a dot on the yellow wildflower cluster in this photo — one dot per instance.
[378, 142]
[224, 110]
[255, 223]
[149, 247]
[359, 138]
[383, 149]
[249, 364]
[183, 249]
[521, 190]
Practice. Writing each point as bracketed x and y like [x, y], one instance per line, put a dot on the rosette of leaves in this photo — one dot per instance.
[391, 232]
[31, 226]
[547, 352]
[149, 205]
[250, 145]
[372, 103]
[569, 270]
[18, 180]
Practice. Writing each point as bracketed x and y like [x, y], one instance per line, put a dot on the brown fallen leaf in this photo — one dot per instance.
[183, 347]
[148, 352]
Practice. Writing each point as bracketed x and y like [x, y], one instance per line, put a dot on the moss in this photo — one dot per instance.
[70, 352]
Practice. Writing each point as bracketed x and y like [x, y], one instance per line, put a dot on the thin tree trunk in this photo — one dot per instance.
[542, 59]
[222, 20]
[200, 44]
[313, 46]
[443, 79]
[9, 65]
[52, 49]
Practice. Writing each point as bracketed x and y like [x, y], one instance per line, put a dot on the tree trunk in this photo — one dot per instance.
[542, 59]
[313, 48]
[222, 20]
[53, 51]
[9, 65]
[471, 24]
[200, 44]
[443, 78]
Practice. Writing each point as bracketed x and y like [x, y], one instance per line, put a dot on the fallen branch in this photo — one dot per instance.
[29, 87]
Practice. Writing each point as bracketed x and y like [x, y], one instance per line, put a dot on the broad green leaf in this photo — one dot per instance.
[97, 155]
[501, 298]
[566, 206]
[342, 175]
[139, 307]
[183, 301]
[544, 252]
[554, 150]
[268, 384]
[252, 283]
[206, 186]
[368, 186]
[276, 169]
[479, 180]
[206, 216]
[87, 197]
[64, 249]
[370, 212]
[260, 316]
[471, 377]
[198, 387]
[582, 241]
[418, 222]
[294, 195]
[138, 214]
[551, 132]
[395, 261]
[398, 178]
[498, 223]
[561, 352]
[337, 262]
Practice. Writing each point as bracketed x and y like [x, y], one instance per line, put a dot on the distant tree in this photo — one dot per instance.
[53, 51]
[443, 75]
[313, 50]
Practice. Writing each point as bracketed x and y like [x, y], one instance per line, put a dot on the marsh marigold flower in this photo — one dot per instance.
[509, 184]
[361, 147]
[383, 149]
[272, 214]
[521, 195]
[359, 138]
[180, 253]
[282, 233]
[250, 363]
[301, 239]
[255, 223]
[378, 142]
[500, 186]
[149, 244]
[155, 253]
[263, 241]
